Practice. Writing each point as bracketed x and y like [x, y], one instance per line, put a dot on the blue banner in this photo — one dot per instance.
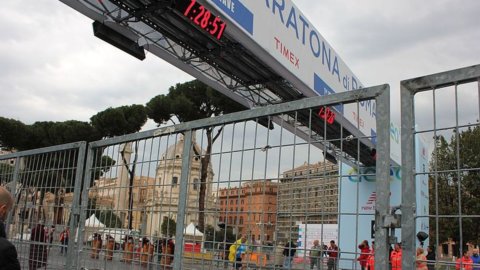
[238, 12]
[323, 89]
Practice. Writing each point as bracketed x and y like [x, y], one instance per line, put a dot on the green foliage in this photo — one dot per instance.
[107, 217]
[119, 121]
[6, 172]
[159, 109]
[14, 134]
[110, 219]
[169, 226]
[218, 236]
[451, 184]
[190, 101]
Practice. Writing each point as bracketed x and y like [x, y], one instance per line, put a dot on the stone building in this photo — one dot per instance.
[162, 200]
[105, 194]
[250, 209]
[154, 198]
[307, 194]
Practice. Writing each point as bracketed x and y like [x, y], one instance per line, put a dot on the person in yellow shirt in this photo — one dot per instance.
[236, 251]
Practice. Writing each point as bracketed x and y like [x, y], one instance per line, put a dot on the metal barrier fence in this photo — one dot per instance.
[46, 186]
[183, 195]
[440, 151]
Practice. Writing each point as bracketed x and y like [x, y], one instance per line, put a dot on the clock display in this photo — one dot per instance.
[202, 17]
[327, 114]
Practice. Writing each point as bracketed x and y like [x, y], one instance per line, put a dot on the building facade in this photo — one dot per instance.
[105, 194]
[307, 194]
[250, 209]
[162, 201]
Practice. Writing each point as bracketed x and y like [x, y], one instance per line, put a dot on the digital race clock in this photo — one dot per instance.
[202, 17]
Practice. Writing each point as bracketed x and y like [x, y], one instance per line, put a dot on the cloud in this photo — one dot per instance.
[53, 68]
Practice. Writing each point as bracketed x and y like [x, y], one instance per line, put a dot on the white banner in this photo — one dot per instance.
[285, 34]
[307, 233]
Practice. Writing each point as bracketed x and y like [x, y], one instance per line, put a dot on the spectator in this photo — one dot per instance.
[147, 249]
[168, 250]
[96, 245]
[364, 254]
[38, 249]
[332, 256]
[465, 262]
[128, 245]
[288, 253]
[64, 237]
[371, 258]
[315, 255]
[51, 232]
[110, 247]
[431, 258]
[8, 253]
[421, 259]
[396, 257]
[475, 259]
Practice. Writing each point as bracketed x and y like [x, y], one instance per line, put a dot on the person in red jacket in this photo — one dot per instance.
[371, 258]
[465, 262]
[396, 257]
[371, 262]
[364, 254]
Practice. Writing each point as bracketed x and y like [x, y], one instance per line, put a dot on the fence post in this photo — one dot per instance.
[383, 179]
[87, 174]
[13, 191]
[408, 183]
[72, 255]
[182, 199]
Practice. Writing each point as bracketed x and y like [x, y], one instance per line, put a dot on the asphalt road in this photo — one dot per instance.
[57, 261]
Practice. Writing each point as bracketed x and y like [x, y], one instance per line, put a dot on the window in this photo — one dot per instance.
[174, 181]
[195, 184]
[241, 220]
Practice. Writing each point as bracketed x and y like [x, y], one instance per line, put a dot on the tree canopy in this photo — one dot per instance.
[452, 183]
[56, 171]
[168, 226]
[119, 121]
[192, 101]
[184, 102]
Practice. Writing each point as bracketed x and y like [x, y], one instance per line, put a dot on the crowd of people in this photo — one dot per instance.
[42, 237]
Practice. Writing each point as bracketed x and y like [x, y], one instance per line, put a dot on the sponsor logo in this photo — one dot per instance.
[370, 204]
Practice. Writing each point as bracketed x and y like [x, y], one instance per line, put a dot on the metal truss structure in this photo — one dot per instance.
[223, 64]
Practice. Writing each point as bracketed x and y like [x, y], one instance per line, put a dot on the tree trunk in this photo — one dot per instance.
[205, 161]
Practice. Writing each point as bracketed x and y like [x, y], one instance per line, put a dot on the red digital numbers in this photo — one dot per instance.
[327, 114]
[203, 18]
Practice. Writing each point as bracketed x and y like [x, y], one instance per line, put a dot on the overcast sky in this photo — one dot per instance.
[54, 69]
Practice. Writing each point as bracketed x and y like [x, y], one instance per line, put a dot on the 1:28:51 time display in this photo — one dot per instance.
[204, 18]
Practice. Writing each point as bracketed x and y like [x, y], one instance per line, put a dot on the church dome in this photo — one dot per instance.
[175, 150]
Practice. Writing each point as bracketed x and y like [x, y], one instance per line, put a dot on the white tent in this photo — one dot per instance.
[191, 230]
[93, 222]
